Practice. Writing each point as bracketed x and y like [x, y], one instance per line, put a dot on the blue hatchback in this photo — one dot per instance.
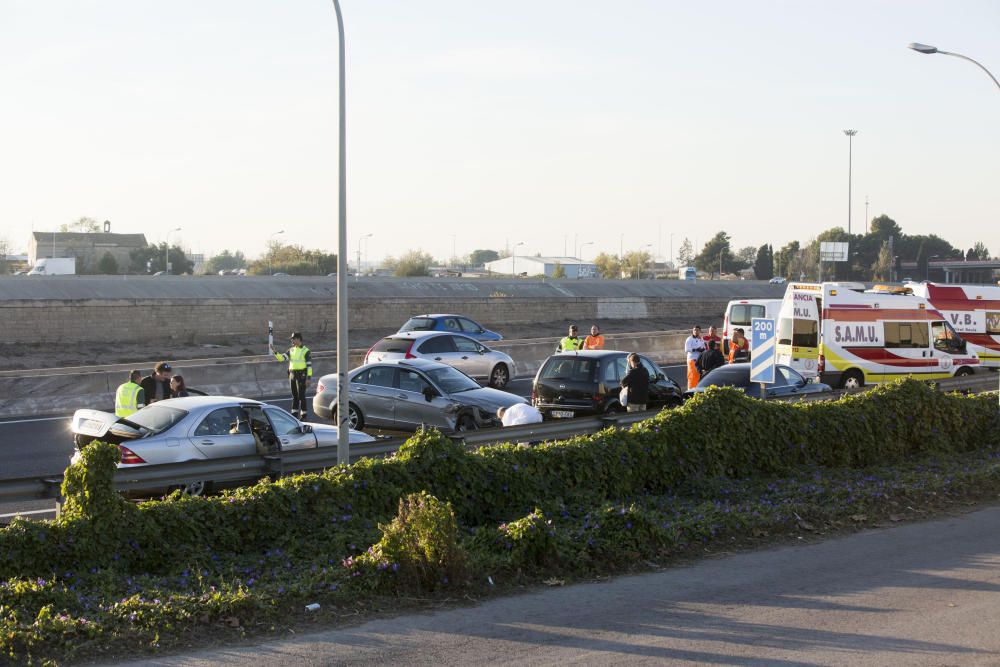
[452, 324]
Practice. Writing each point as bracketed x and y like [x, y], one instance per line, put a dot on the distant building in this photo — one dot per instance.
[87, 248]
[534, 266]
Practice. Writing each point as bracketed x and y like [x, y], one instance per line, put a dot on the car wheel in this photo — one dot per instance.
[466, 423]
[962, 372]
[355, 419]
[852, 379]
[614, 408]
[197, 489]
[500, 376]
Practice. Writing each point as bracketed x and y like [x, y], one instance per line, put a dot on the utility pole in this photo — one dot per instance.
[850, 138]
[866, 215]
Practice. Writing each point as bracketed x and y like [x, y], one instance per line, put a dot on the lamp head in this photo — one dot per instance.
[922, 48]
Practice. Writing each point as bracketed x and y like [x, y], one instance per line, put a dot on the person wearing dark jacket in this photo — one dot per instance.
[636, 381]
[156, 386]
[711, 359]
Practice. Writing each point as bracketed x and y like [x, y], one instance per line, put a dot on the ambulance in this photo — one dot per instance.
[848, 336]
[740, 313]
[974, 311]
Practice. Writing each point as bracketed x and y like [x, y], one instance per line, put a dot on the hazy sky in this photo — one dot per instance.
[480, 123]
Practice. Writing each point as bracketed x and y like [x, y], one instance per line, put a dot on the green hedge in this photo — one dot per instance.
[719, 433]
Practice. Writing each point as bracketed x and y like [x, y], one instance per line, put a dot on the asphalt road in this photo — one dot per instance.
[919, 594]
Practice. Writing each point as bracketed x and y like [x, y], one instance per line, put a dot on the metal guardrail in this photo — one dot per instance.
[254, 467]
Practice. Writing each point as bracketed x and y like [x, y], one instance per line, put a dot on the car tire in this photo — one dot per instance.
[852, 379]
[499, 376]
[355, 417]
[614, 408]
[198, 489]
[962, 372]
[466, 423]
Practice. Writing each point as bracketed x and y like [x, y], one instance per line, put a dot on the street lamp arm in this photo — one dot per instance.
[977, 64]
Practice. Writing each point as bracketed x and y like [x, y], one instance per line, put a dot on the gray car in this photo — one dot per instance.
[198, 428]
[479, 362]
[404, 395]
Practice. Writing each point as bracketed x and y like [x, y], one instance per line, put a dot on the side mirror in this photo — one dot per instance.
[306, 428]
[429, 394]
[481, 330]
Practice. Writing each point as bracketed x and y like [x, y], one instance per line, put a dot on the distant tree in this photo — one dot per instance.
[636, 264]
[981, 251]
[763, 264]
[882, 268]
[921, 262]
[883, 227]
[685, 254]
[804, 261]
[480, 257]
[108, 265]
[226, 261]
[717, 248]
[558, 271]
[783, 259]
[746, 256]
[4, 251]
[83, 225]
[151, 259]
[293, 260]
[609, 266]
[413, 263]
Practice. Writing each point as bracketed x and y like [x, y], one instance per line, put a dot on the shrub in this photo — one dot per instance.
[526, 544]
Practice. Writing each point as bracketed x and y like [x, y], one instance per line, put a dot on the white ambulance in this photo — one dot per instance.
[740, 312]
[850, 337]
[974, 311]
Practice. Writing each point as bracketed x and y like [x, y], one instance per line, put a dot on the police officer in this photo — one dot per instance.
[570, 342]
[300, 372]
[130, 396]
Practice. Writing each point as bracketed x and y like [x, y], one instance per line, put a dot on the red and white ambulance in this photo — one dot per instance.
[974, 311]
[849, 337]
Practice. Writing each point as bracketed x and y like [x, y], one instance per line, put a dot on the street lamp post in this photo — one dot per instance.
[513, 258]
[343, 363]
[638, 259]
[166, 250]
[270, 252]
[924, 48]
[583, 245]
[359, 256]
[927, 267]
[850, 137]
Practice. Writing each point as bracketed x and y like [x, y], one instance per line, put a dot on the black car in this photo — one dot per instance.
[787, 381]
[575, 384]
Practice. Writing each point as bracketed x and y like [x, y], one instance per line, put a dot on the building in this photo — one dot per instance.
[87, 248]
[525, 265]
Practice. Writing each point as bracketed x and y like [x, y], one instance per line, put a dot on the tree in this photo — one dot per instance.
[108, 265]
[783, 259]
[746, 256]
[882, 268]
[978, 251]
[558, 271]
[480, 257]
[635, 264]
[151, 259]
[413, 263]
[717, 251]
[763, 264]
[83, 225]
[226, 261]
[921, 261]
[685, 254]
[4, 251]
[883, 227]
[609, 266]
[293, 260]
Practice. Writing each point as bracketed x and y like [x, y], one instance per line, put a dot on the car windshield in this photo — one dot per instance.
[401, 345]
[568, 368]
[418, 324]
[157, 418]
[451, 380]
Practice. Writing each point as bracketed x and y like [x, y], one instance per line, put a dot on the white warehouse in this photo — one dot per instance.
[526, 265]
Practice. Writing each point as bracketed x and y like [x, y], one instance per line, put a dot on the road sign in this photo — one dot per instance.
[762, 340]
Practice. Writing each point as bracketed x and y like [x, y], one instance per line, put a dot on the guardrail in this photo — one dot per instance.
[255, 467]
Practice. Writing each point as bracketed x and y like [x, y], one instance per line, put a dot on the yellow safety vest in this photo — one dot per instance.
[298, 359]
[570, 343]
[127, 399]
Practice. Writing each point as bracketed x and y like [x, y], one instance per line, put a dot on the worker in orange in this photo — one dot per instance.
[694, 345]
[595, 341]
[739, 347]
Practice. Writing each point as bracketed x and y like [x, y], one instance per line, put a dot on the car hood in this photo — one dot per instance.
[326, 435]
[487, 399]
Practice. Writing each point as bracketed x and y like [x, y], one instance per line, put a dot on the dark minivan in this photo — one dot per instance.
[576, 384]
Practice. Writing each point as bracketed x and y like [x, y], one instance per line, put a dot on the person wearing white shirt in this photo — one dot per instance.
[519, 413]
[694, 345]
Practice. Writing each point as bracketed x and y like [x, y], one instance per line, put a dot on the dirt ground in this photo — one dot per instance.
[64, 355]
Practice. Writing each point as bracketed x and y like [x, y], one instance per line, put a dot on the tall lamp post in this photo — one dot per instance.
[166, 250]
[638, 260]
[927, 267]
[513, 258]
[924, 48]
[850, 137]
[270, 268]
[343, 363]
[366, 236]
[583, 245]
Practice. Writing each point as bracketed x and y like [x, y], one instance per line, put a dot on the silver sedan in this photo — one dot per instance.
[201, 427]
[479, 362]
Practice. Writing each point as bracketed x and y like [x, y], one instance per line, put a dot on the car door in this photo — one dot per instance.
[471, 357]
[224, 432]
[661, 389]
[289, 430]
[413, 408]
[374, 392]
[785, 382]
[438, 348]
[470, 328]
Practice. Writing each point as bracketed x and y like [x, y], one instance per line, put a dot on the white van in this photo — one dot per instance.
[740, 312]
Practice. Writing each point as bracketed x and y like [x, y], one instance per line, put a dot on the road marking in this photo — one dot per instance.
[37, 419]
[14, 514]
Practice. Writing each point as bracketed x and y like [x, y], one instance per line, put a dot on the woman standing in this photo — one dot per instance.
[177, 387]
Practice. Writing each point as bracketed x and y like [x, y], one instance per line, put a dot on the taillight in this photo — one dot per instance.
[821, 364]
[409, 351]
[320, 387]
[368, 353]
[128, 456]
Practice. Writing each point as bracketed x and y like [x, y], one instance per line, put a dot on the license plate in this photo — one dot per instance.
[562, 414]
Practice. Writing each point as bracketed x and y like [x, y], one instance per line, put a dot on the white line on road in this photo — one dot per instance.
[37, 419]
[14, 514]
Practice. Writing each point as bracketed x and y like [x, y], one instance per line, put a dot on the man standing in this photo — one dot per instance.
[156, 385]
[710, 359]
[712, 335]
[300, 372]
[130, 396]
[694, 345]
[636, 381]
[595, 341]
[570, 342]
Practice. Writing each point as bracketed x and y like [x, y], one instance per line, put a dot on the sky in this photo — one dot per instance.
[610, 126]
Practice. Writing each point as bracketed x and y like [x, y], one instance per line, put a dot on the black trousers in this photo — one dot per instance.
[297, 383]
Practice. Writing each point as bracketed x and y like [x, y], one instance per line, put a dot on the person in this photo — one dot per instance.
[129, 397]
[739, 347]
[694, 345]
[712, 335]
[300, 371]
[636, 381]
[156, 385]
[710, 359]
[177, 387]
[595, 341]
[519, 413]
[570, 342]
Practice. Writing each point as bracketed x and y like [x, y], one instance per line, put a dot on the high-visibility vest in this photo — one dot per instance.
[570, 343]
[127, 399]
[298, 359]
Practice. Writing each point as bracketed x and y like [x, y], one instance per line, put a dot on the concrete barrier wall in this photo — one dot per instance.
[61, 391]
